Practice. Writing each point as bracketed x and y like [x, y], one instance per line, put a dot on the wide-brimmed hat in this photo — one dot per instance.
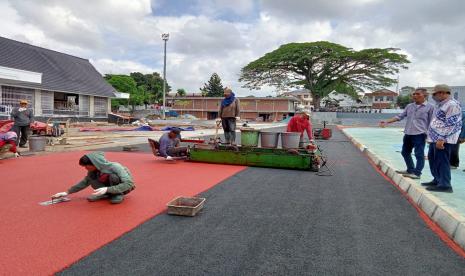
[23, 102]
[441, 88]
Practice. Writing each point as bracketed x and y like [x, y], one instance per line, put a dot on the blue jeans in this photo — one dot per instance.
[439, 164]
[416, 142]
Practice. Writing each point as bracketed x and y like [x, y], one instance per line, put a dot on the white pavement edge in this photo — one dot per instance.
[443, 215]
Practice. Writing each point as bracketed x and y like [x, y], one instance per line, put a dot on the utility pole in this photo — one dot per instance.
[165, 38]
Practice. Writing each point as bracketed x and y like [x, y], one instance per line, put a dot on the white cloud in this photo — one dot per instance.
[109, 66]
[122, 36]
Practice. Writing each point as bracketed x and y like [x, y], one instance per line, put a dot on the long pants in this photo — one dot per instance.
[416, 143]
[112, 180]
[177, 151]
[22, 132]
[454, 155]
[439, 164]
[229, 127]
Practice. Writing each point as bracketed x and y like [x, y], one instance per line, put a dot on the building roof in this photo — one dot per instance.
[382, 92]
[60, 72]
[297, 92]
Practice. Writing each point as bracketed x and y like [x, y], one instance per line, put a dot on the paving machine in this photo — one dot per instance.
[298, 159]
[267, 155]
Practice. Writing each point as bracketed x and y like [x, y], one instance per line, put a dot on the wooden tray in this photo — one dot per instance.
[185, 206]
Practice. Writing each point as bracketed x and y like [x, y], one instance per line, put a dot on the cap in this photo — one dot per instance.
[441, 88]
[306, 113]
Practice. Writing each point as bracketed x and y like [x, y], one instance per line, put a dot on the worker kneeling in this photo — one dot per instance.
[170, 145]
[108, 179]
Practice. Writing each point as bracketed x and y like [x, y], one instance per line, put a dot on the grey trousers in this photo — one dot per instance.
[229, 127]
[177, 151]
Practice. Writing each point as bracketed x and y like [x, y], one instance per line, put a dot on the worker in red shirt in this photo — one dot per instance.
[301, 123]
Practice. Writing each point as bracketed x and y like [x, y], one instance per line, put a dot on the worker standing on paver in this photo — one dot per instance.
[443, 132]
[418, 116]
[108, 179]
[229, 112]
[23, 117]
[301, 123]
[170, 145]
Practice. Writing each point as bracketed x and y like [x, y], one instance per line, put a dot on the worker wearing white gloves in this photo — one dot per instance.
[108, 179]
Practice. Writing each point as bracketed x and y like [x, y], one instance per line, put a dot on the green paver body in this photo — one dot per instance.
[257, 157]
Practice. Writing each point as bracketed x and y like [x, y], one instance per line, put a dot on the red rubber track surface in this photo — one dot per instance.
[42, 240]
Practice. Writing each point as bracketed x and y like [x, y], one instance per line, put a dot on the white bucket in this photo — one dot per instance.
[290, 140]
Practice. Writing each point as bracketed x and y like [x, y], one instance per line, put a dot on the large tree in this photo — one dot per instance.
[126, 84]
[213, 88]
[151, 85]
[322, 67]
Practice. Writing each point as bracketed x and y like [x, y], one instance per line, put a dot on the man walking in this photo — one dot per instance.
[23, 117]
[443, 132]
[418, 116]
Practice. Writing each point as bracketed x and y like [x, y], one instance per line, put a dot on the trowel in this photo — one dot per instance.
[55, 201]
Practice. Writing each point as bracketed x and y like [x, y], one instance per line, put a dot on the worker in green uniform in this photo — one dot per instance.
[108, 179]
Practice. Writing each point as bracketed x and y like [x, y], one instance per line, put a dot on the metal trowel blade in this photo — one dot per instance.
[55, 201]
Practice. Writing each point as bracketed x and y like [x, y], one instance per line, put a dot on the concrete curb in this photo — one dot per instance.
[440, 212]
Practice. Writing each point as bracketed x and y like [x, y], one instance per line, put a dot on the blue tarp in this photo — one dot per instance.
[168, 128]
[143, 128]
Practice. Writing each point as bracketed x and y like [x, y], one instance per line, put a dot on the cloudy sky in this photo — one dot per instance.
[206, 36]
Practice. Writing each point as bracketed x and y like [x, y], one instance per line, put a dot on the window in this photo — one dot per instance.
[46, 102]
[100, 106]
[10, 96]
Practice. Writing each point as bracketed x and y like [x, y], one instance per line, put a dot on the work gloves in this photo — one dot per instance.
[58, 195]
[100, 191]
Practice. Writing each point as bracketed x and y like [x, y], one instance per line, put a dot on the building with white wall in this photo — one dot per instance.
[55, 84]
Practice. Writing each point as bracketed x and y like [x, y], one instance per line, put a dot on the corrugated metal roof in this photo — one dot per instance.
[60, 72]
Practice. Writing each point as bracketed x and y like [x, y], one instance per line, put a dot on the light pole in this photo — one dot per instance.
[165, 38]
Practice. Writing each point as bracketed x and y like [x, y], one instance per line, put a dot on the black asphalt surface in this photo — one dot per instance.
[283, 222]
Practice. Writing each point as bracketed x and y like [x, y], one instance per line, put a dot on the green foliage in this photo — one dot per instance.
[152, 85]
[143, 88]
[213, 88]
[403, 101]
[322, 67]
[126, 84]
[181, 92]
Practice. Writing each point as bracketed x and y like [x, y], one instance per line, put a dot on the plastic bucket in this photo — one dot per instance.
[269, 139]
[37, 143]
[249, 138]
[290, 140]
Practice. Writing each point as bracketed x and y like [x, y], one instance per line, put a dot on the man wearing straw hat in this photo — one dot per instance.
[23, 117]
[443, 133]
